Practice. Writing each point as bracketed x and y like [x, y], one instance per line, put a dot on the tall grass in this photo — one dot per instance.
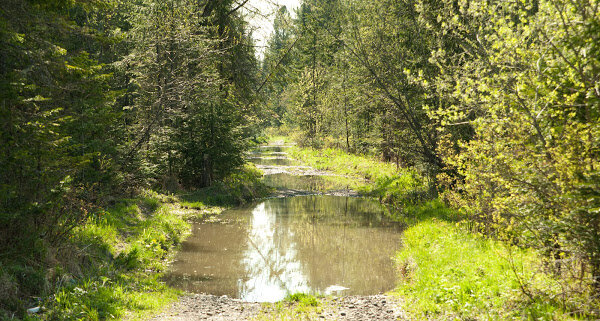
[447, 273]
[127, 247]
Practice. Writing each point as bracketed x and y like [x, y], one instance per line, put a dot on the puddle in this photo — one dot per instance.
[316, 244]
[274, 161]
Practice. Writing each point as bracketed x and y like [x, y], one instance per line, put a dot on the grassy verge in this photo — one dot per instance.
[383, 180]
[448, 273]
[445, 271]
[111, 266]
[127, 247]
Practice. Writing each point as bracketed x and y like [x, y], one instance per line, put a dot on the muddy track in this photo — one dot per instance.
[210, 307]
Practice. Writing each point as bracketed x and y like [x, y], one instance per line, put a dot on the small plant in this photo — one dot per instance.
[303, 299]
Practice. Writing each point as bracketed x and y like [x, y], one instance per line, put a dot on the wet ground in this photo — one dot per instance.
[313, 244]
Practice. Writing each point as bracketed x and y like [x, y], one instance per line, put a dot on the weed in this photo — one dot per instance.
[303, 299]
[111, 266]
[449, 273]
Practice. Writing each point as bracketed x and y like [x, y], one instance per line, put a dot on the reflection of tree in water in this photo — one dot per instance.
[289, 245]
[341, 242]
[271, 262]
[209, 260]
[318, 241]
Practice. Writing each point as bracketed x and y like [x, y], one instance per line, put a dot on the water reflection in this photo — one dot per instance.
[305, 182]
[276, 161]
[288, 245]
[271, 261]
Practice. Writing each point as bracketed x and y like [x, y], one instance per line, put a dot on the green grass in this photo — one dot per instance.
[343, 163]
[396, 186]
[238, 188]
[448, 273]
[303, 299]
[296, 306]
[123, 251]
[111, 267]
[277, 138]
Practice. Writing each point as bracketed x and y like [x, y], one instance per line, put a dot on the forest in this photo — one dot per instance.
[113, 109]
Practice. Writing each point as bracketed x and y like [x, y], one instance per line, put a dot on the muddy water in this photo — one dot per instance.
[274, 161]
[316, 243]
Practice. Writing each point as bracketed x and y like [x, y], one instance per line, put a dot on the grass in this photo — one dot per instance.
[303, 299]
[238, 188]
[123, 251]
[111, 266]
[297, 306]
[448, 273]
[391, 185]
[445, 271]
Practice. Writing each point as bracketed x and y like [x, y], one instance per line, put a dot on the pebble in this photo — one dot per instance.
[223, 308]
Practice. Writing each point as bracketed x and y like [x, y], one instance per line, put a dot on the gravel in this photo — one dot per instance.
[211, 307]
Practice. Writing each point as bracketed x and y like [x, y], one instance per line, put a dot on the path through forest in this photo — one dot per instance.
[211, 307]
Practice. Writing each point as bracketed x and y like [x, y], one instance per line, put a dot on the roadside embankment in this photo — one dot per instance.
[110, 266]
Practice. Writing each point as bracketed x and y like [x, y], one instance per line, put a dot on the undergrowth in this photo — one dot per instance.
[110, 267]
[238, 188]
[119, 254]
[447, 273]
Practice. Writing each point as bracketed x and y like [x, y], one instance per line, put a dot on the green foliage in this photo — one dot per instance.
[123, 247]
[303, 299]
[100, 99]
[535, 121]
[495, 104]
[58, 124]
[446, 270]
[193, 102]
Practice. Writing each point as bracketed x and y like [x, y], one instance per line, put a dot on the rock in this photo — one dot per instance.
[33, 310]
